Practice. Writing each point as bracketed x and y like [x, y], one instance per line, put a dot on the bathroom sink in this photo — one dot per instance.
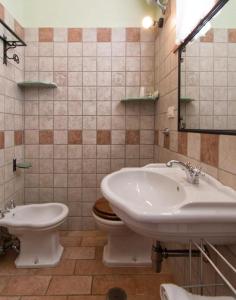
[158, 202]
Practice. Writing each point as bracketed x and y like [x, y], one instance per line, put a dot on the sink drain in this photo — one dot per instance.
[116, 294]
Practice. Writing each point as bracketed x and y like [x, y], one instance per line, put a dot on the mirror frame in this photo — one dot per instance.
[217, 7]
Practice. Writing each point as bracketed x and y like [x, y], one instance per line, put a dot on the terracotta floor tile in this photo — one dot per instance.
[44, 298]
[133, 284]
[27, 285]
[80, 272]
[96, 267]
[144, 297]
[99, 253]
[70, 285]
[3, 282]
[83, 233]
[86, 298]
[94, 241]
[79, 253]
[7, 265]
[9, 298]
[66, 267]
[68, 241]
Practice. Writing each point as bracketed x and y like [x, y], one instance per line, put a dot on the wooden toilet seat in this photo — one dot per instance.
[103, 210]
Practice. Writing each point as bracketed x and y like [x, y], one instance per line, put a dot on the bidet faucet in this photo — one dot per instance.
[3, 212]
[10, 205]
[192, 173]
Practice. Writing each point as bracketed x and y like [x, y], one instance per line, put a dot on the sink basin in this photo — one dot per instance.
[158, 202]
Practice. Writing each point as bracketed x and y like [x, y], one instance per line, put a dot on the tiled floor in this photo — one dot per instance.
[79, 276]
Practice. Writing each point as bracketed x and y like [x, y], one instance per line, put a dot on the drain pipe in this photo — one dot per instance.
[159, 254]
[8, 241]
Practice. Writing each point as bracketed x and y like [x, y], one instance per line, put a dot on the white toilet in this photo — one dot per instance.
[36, 226]
[124, 247]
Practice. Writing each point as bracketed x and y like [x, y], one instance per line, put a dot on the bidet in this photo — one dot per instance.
[36, 226]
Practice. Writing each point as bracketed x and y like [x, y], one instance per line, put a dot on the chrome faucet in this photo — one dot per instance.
[8, 207]
[192, 173]
[3, 212]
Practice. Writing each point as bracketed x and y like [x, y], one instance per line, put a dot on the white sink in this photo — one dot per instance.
[158, 202]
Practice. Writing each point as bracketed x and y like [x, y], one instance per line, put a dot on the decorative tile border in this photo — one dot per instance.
[19, 137]
[75, 35]
[100, 35]
[46, 137]
[75, 137]
[2, 140]
[210, 149]
[212, 36]
[46, 34]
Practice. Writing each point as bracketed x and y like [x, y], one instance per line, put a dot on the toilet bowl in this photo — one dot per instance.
[124, 247]
[36, 226]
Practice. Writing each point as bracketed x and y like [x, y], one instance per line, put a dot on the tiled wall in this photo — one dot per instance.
[215, 153]
[79, 132]
[208, 75]
[11, 120]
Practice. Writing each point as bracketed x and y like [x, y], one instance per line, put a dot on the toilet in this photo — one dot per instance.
[36, 226]
[124, 247]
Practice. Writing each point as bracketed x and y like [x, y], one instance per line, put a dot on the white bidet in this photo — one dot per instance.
[36, 226]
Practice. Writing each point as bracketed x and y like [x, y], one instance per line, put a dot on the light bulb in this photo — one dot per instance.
[148, 22]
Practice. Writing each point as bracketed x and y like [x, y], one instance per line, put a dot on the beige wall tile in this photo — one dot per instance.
[227, 153]
[194, 143]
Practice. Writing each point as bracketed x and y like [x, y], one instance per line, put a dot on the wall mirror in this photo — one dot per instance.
[207, 73]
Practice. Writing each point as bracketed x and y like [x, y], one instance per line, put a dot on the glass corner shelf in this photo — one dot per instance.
[186, 100]
[24, 165]
[140, 99]
[37, 84]
[20, 165]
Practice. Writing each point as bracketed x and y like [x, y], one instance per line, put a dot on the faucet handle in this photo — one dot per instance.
[10, 205]
[3, 212]
[198, 171]
[189, 166]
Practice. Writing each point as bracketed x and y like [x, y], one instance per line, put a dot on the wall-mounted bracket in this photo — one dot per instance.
[8, 44]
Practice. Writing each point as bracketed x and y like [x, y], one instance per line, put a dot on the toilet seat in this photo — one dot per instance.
[103, 210]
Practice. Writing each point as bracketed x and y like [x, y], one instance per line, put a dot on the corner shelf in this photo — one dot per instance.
[21, 165]
[24, 165]
[140, 99]
[186, 100]
[37, 84]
